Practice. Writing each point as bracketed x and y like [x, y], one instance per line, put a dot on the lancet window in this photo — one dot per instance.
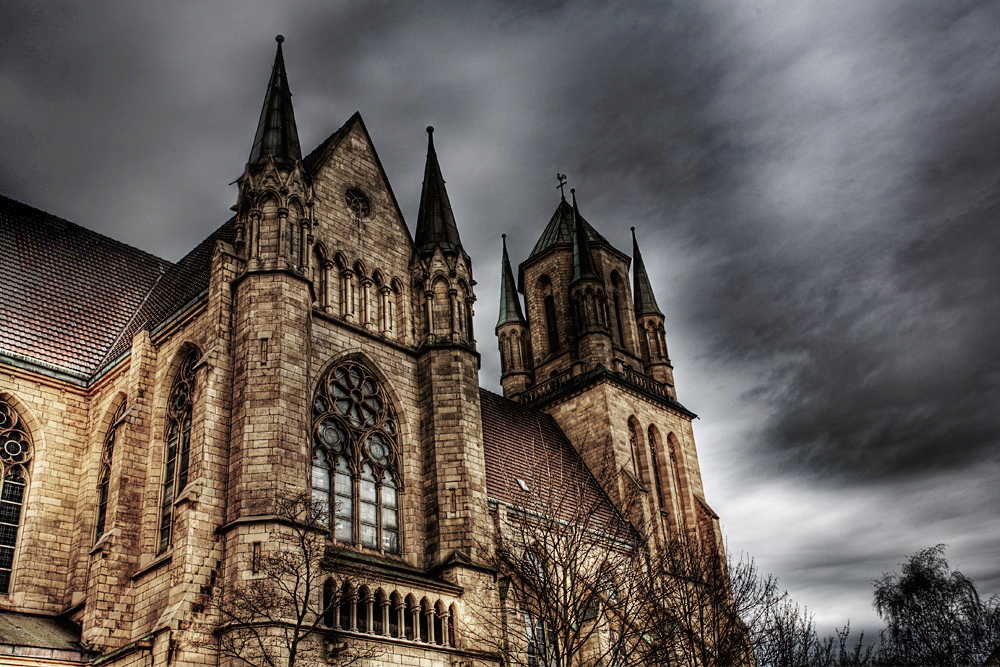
[355, 467]
[104, 478]
[177, 454]
[15, 454]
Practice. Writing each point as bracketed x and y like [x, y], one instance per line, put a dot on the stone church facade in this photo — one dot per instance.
[152, 413]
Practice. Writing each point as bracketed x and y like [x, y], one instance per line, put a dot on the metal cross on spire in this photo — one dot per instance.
[562, 184]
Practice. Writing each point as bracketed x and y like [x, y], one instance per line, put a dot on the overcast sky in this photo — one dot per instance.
[815, 187]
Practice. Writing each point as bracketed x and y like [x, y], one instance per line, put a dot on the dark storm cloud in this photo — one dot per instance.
[814, 185]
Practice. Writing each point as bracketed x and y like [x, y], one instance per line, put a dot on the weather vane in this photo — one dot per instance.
[562, 184]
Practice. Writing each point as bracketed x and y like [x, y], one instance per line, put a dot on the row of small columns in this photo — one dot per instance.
[386, 325]
[253, 236]
[455, 329]
[400, 609]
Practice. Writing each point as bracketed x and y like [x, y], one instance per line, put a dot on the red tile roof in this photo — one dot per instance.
[521, 443]
[67, 292]
[182, 282]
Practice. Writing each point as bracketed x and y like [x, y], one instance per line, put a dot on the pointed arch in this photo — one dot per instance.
[411, 622]
[15, 459]
[113, 419]
[177, 438]
[440, 624]
[543, 287]
[380, 615]
[635, 446]
[397, 608]
[440, 311]
[398, 314]
[619, 303]
[329, 606]
[678, 476]
[656, 446]
[426, 624]
[452, 622]
[356, 462]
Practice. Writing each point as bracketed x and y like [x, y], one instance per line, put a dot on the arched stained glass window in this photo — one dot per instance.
[355, 455]
[15, 454]
[178, 446]
[104, 479]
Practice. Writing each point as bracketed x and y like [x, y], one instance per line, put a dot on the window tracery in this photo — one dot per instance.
[104, 476]
[178, 445]
[16, 451]
[355, 469]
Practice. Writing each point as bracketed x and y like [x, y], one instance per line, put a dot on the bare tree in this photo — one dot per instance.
[277, 614]
[568, 579]
[933, 615]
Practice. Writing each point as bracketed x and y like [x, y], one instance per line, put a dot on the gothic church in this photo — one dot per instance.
[151, 413]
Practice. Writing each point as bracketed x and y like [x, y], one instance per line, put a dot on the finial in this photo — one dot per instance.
[279, 38]
[503, 236]
[430, 129]
[562, 184]
[633, 229]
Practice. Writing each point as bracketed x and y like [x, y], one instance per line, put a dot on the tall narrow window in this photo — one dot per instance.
[550, 324]
[15, 454]
[178, 445]
[619, 329]
[104, 480]
[541, 642]
[654, 442]
[634, 444]
[356, 454]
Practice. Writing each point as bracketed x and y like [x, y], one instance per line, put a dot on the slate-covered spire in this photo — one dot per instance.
[583, 258]
[643, 299]
[435, 221]
[277, 135]
[510, 305]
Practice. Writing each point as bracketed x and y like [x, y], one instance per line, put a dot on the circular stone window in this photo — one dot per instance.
[358, 202]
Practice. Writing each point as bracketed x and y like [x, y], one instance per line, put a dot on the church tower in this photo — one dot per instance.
[271, 316]
[448, 372]
[597, 362]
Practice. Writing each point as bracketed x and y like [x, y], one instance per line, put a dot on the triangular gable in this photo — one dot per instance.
[318, 159]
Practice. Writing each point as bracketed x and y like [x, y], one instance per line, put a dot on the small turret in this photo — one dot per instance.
[588, 299]
[649, 320]
[512, 334]
[441, 263]
[436, 226]
[277, 136]
[274, 207]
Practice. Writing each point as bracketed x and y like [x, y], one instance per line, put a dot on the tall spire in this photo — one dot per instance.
[277, 135]
[583, 259]
[643, 299]
[435, 221]
[510, 305]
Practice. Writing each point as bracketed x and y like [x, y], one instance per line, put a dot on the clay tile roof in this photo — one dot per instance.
[181, 283]
[527, 445]
[68, 292]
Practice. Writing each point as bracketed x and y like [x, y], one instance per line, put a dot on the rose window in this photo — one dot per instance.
[355, 469]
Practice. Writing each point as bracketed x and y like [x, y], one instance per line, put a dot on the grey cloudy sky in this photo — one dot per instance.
[815, 185]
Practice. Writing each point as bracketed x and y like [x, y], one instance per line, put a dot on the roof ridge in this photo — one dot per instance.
[105, 237]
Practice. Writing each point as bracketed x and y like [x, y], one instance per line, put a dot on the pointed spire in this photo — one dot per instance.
[510, 305]
[583, 259]
[277, 135]
[643, 299]
[435, 221]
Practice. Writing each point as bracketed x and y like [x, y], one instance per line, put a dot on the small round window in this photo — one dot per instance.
[358, 202]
